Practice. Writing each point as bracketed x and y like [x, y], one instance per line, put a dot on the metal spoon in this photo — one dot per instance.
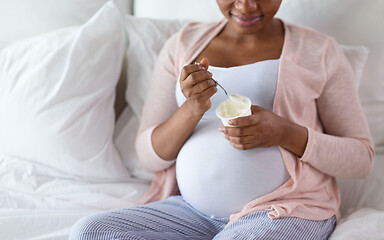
[226, 93]
[220, 86]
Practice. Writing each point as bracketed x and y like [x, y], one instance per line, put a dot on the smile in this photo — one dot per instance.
[246, 21]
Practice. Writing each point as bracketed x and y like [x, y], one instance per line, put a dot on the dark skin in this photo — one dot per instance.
[252, 34]
[235, 46]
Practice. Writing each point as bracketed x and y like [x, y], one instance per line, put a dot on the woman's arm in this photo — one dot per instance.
[170, 136]
[159, 105]
[197, 87]
[164, 127]
[345, 149]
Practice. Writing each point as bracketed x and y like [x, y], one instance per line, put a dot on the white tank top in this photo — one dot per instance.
[214, 177]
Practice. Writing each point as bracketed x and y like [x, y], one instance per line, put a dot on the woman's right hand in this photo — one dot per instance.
[198, 87]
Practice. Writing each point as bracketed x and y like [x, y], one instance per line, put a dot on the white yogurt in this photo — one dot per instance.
[233, 107]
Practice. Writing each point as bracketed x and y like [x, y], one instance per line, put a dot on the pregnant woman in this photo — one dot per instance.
[270, 175]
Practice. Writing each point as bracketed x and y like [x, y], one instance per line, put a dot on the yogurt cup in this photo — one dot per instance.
[233, 107]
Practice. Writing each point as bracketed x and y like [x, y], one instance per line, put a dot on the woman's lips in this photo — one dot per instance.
[246, 21]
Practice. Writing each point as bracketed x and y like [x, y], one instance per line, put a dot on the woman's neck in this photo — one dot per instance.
[227, 50]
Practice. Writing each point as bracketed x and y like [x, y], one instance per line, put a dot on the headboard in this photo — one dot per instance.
[197, 10]
[21, 18]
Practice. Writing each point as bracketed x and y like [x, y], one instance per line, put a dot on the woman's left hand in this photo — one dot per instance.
[265, 129]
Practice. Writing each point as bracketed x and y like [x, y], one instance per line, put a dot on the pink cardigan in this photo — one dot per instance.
[315, 89]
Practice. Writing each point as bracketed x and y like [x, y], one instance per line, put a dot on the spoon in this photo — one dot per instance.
[226, 93]
[220, 87]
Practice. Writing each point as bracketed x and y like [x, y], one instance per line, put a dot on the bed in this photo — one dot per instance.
[58, 163]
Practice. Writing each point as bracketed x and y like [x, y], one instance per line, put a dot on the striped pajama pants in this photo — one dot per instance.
[174, 219]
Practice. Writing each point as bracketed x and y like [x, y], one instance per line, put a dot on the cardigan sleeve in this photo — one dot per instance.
[159, 105]
[345, 148]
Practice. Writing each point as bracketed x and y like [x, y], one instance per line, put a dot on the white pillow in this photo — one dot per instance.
[57, 95]
[145, 39]
[2, 44]
[357, 57]
[368, 192]
[361, 224]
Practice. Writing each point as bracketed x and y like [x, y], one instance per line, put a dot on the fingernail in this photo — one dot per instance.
[221, 129]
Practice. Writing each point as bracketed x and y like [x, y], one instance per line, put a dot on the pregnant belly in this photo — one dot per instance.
[218, 179]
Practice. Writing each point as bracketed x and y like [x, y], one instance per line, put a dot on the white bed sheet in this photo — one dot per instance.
[38, 224]
[41, 203]
[38, 202]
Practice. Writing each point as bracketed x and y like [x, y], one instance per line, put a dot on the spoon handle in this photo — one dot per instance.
[220, 86]
[215, 81]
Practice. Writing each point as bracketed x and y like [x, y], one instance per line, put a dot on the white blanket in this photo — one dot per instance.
[38, 224]
[38, 202]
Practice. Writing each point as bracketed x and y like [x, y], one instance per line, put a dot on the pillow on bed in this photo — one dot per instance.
[357, 56]
[56, 98]
[361, 224]
[145, 39]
